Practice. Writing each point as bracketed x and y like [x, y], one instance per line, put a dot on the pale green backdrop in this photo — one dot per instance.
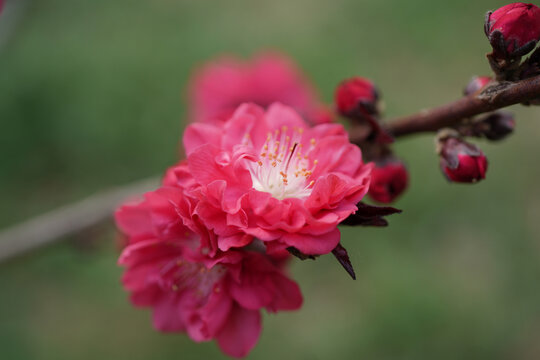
[91, 96]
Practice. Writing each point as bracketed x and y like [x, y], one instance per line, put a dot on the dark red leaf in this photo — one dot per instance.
[370, 215]
[343, 257]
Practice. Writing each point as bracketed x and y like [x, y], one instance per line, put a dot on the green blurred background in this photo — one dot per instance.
[92, 96]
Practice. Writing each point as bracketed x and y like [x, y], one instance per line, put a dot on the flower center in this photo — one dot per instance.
[181, 275]
[283, 168]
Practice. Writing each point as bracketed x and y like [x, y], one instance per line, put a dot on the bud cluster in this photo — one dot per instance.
[358, 100]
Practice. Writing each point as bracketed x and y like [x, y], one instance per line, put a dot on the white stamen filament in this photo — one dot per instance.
[282, 169]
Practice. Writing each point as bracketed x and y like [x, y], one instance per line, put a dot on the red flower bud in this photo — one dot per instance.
[513, 30]
[358, 99]
[356, 96]
[388, 181]
[476, 84]
[461, 161]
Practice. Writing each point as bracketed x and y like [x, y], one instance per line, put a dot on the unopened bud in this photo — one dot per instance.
[356, 97]
[461, 161]
[476, 84]
[389, 179]
[513, 30]
[496, 126]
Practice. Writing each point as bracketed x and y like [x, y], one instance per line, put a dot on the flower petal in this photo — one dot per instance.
[241, 332]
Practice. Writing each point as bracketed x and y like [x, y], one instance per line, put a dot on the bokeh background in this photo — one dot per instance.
[92, 96]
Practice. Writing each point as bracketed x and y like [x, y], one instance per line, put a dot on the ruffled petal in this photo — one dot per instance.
[166, 316]
[313, 245]
[199, 134]
[241, 332]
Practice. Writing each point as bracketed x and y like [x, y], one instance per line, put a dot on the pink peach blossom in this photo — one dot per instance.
[219, 87]
[192, 288]
[267, 175]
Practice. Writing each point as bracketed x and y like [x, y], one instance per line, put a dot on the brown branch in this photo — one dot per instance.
[67, 220]
[71, 219]
[494, 97]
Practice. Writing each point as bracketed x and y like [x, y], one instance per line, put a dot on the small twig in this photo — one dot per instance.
[67, 220]
[494, 97]
[72, 219]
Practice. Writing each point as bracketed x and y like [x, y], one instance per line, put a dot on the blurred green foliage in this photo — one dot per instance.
[91, 96]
